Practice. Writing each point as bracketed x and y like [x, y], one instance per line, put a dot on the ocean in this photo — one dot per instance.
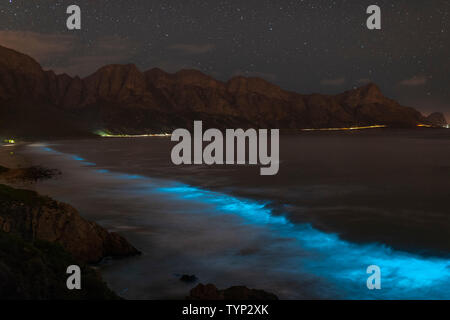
[341, 202]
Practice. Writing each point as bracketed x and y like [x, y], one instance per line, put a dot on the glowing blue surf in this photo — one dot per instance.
[341, 264]
[344, 264]
[73, 157]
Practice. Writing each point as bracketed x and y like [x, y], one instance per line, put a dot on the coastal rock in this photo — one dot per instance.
[210, 292]
[36, 270]
[437, 119]
[34, 217]
[122, 99]
[29, 175]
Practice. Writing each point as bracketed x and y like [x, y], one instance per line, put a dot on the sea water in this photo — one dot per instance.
[340, 203]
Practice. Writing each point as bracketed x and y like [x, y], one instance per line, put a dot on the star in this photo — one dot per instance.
[298, 42]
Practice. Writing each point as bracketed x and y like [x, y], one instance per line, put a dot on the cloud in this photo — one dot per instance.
[254, 74]
[333, 82]
[107, 50]
[39, 46]
[112, 43]
[414, 81]
[68, 53]
[363, 81]
[193, 48]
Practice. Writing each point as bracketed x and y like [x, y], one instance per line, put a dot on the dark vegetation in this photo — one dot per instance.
[27, 197]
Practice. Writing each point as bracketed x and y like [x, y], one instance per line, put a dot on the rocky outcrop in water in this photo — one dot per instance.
[437, 119]
[122, 99]
[210, 292]
[33, 217]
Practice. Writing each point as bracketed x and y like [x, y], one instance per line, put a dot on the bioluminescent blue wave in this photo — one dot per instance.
[51, 150]
[102, 171]
[77, 158]
[73, 157]
[89, 164]
[340, 264]
[404, 275]
[83, 161]
[130, 176]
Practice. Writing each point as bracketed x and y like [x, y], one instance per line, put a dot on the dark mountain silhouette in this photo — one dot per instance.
[121, 99]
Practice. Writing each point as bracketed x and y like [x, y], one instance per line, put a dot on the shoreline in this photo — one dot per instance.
[196, 291]
[9, 157]
[17, 160]
[279, 226]
[332, 225]
[430, 252]
[256, 216]
[53, 231]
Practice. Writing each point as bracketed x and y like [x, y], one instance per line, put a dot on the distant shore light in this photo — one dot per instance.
[105, 134]
[349, 128]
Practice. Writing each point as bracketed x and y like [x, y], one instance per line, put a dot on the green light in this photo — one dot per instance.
[102, 133]
[106, 134]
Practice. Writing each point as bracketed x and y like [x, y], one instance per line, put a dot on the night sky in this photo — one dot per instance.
[306, 46]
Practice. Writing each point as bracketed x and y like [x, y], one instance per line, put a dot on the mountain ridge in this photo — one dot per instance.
[122, 99]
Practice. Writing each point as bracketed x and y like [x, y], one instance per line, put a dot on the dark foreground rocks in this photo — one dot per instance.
[36, 270]
[34, 217]
[40, 238]
[31, 174]
[210, 292]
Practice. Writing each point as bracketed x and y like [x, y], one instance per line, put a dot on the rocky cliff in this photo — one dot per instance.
[122, 99]
[437, 119]
[34, 217]
[36, 270]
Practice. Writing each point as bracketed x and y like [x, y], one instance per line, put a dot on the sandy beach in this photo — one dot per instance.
[10, 159]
